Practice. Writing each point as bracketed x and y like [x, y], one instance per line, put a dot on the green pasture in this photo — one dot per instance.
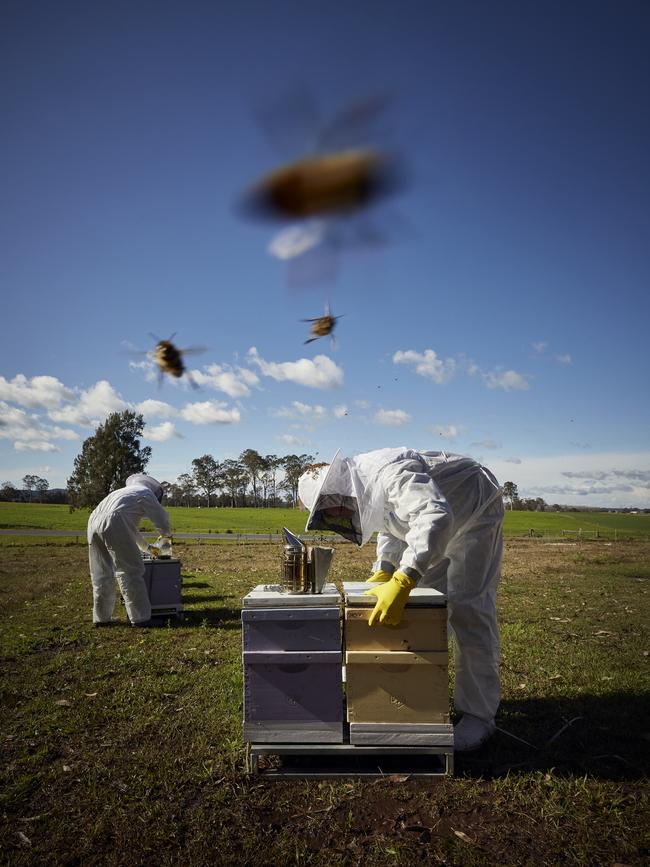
[124, 748]
[219, 520]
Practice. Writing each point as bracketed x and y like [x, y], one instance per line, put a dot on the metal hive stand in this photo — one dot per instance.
[326, 761]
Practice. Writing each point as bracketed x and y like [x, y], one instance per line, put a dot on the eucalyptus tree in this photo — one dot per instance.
[186, 487]
[294, 466]
[510, 493]
[255, 465]
[107, 459]
[235, 480]
[207, 475]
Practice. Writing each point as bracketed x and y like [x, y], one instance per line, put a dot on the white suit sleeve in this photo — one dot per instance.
[156, 514]
[389, 551]
[418, 501]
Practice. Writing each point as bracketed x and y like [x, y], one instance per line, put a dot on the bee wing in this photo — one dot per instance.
[355, 124]
[290, 122]
[311, 340]
[192, 381]
[193, 350]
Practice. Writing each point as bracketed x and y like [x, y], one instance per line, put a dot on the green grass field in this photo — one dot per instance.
[122, 747]
[49, 517]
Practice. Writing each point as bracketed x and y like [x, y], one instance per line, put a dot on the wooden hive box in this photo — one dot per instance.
[420, 629]
[397, 687]
[397, 677]
[292, 661]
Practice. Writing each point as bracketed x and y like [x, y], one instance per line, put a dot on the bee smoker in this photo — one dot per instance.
[293, 569]
[304, 567]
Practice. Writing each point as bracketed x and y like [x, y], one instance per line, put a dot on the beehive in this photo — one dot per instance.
[164, 585]
[397, 677]
[292, 662]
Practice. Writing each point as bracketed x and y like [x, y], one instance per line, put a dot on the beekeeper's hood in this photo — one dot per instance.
[350, 483]
[142, 480]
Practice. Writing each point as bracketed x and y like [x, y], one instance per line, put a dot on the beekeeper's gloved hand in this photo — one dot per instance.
[152, 551]
[379, 577]
[392, 596]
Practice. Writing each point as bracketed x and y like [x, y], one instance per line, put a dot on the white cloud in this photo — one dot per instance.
[162, 432]
[340, 411]
[539, 346]
[94, 405]
[585, 490]
[234, 382]
[39, 391]
[508, 380]
[448, 432]
[156, 409]
[487, 444]
[564, 359]
[151, 370]
[210, 412]
[512, 460]
[427, 364]
[392, 417]
[28, 431]
[362, 404]
[640, 477]
[61, 433]
[600, 479]
[319, 372]
[36, 446]
[297, 409]
[289, 440]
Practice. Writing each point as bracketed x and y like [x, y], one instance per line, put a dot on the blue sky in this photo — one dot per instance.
[507, 319]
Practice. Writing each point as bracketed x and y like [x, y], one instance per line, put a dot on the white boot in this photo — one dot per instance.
[471, 733]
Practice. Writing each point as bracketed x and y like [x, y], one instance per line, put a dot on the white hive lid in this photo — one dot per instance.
[419, 596]
[272, 596]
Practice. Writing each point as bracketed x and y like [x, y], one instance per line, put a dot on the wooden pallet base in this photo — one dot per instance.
[318, 761]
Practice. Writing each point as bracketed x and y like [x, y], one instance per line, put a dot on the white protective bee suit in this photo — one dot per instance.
[439, 520]
[116, 546]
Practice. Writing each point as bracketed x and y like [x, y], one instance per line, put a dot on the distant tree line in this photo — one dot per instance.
[260, 481]
[34, 490]
[516, 503]
[114, 453]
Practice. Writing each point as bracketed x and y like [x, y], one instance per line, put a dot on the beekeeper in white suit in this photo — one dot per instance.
[439, 522]
[116, 546]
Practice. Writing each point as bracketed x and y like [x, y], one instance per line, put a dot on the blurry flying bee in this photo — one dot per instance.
[322, 325]
[169, 359]
[335, 183]
[319, 186]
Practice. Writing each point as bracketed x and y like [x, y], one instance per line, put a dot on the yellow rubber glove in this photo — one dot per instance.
[152, 551]
[379, 576]
[392, 597]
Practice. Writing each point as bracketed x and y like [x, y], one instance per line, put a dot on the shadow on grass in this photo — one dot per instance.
[190, 599]
[221, 618]
[605, 737]
[196, 584]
